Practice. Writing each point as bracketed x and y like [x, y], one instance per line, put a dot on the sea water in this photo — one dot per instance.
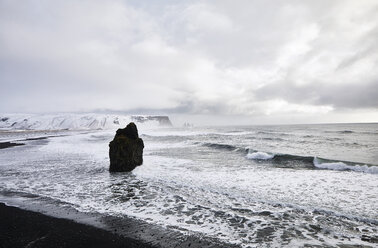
[255, 186]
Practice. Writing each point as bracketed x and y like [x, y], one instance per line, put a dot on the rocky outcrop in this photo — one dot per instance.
[126, 149]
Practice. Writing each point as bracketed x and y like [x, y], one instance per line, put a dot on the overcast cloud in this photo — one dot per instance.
[248, 58]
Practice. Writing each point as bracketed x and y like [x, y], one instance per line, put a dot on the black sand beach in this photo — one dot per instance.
[20, 228]
[4, 145]
[24, 228]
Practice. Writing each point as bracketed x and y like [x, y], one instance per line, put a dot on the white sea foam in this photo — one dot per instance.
[211, 191]
[340, 166]
[260, 156]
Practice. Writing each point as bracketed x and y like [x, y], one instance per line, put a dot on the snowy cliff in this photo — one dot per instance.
[77, 121]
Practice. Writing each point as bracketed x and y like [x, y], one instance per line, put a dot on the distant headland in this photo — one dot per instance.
[74, 121]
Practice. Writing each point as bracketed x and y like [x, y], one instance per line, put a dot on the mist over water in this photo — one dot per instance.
[253, 186]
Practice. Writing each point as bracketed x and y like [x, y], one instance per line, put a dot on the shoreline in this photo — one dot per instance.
[22, 228]
[36, 222]
[8, 144]
[28, 220]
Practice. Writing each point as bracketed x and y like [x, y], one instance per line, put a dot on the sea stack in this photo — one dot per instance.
[126, 149]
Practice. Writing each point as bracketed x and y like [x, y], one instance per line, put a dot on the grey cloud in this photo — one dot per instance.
[370, 49]
[360, 95]
[196, 57]
[363, 95]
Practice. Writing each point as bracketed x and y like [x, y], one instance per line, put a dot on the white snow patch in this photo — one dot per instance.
[70, 122]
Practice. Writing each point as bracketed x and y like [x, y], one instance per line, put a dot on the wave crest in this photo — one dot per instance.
[295, 161]
[221, 146]
[342, 166]
[260, 156]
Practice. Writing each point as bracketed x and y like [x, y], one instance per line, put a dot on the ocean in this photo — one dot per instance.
[253, 186]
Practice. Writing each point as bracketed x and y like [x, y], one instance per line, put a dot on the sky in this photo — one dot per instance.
[224, 61]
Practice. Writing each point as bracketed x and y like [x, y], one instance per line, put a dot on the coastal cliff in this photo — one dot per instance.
[78, 121]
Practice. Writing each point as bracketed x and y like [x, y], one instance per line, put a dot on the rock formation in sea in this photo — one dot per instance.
[126, 149]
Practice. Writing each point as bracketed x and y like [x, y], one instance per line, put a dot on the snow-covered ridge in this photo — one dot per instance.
[77, 121]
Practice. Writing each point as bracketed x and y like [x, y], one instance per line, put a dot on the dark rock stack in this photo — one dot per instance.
[126, 149]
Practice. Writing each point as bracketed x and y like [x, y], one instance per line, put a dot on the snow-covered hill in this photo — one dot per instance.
[77, 121]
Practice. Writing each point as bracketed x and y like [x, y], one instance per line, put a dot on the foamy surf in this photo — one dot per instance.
[319, 163]
[203, 181]
[342, 166]
[260, 156]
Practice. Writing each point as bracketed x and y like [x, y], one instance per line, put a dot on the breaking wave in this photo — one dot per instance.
[295, 161]
[221, 146]
[260, 155]
[343, 166]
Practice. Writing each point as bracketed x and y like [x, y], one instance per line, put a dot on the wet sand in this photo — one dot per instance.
[24, 228]
[20, 228]
[4, 145]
